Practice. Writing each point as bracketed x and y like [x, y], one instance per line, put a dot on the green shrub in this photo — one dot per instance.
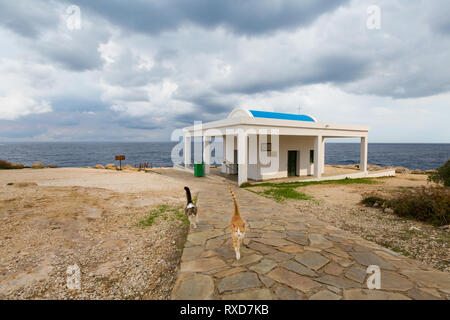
[165, 212]
[442, 174]
[371, 200]
[8, 165]
[5, 164]
[431, 204]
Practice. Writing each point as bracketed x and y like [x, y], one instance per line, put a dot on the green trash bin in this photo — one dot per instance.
[199, 169]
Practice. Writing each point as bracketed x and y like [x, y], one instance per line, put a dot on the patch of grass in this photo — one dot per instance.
[245, 185]
[280, 194]
[296, 184]
[165, 211]
[286, 190]
[401, 251]
[394, 248]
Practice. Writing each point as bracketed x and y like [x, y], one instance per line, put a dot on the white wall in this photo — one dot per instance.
[301, 144]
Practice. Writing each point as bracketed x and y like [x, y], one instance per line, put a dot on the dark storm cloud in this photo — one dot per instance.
[42, 26]
[243, 17]
[327, 68]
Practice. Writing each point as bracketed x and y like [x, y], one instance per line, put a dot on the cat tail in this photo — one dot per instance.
[236, 208]
[188, 195]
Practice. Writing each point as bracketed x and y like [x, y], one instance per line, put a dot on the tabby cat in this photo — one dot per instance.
[191, 209]
[237, 226]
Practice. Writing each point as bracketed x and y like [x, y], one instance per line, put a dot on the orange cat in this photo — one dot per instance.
[237, 226]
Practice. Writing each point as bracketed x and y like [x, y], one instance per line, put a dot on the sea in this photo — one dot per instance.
[159, 154]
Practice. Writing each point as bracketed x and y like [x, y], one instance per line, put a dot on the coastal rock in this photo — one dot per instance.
[374, 167]
[99, 166]
[127, 167]
[110, 166]
[37, 165]
[401, 170]
[417, 171]
[8, 165]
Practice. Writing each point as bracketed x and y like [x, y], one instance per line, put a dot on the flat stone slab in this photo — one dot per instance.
[264, 249]
[272, 234]
[279, 256]
[436, 279]
[240, 281]
[198, 287]
[418, 294]
[191, 253]
[299, 239]
[199, 238]
[298, 268]
[258, 224]
[333, 268]
[319, 241]
[312, 260]
[253, 294]
[202, 265]
[264, 266]
[267, 281]
[274, 227]
[356, 274]
[368, 258]
[292, 279]
[325, 295]
[247, 260]
[393, 281]
[229, 272]
[285, 293]
[273, 242]
[366, 294]
[225, 252]
[339, 252]
[338, 282]
[291, 249]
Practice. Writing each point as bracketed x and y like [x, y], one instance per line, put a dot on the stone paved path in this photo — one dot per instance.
[289, 255]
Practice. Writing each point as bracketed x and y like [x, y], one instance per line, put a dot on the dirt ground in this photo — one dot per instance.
[51, 219]
[339, 205]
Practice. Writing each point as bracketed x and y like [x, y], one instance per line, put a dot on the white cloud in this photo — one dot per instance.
[16, 105]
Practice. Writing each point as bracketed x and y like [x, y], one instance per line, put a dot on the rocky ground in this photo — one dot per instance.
[46, 229]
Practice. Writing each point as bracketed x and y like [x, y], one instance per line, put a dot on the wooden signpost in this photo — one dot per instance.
[120, 158]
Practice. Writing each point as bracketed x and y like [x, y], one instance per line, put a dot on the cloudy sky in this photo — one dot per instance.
[137, 70]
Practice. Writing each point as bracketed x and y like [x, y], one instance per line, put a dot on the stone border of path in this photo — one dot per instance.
[289, 255]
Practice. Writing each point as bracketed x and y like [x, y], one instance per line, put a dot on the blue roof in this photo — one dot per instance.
[278, 115]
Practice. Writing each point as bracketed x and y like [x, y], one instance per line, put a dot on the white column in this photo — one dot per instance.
[187, 151]
[229, 152]
[223, 169]
[323, 154]
[363, 154]
[242, 157]
[318, 156]
[207, 153]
